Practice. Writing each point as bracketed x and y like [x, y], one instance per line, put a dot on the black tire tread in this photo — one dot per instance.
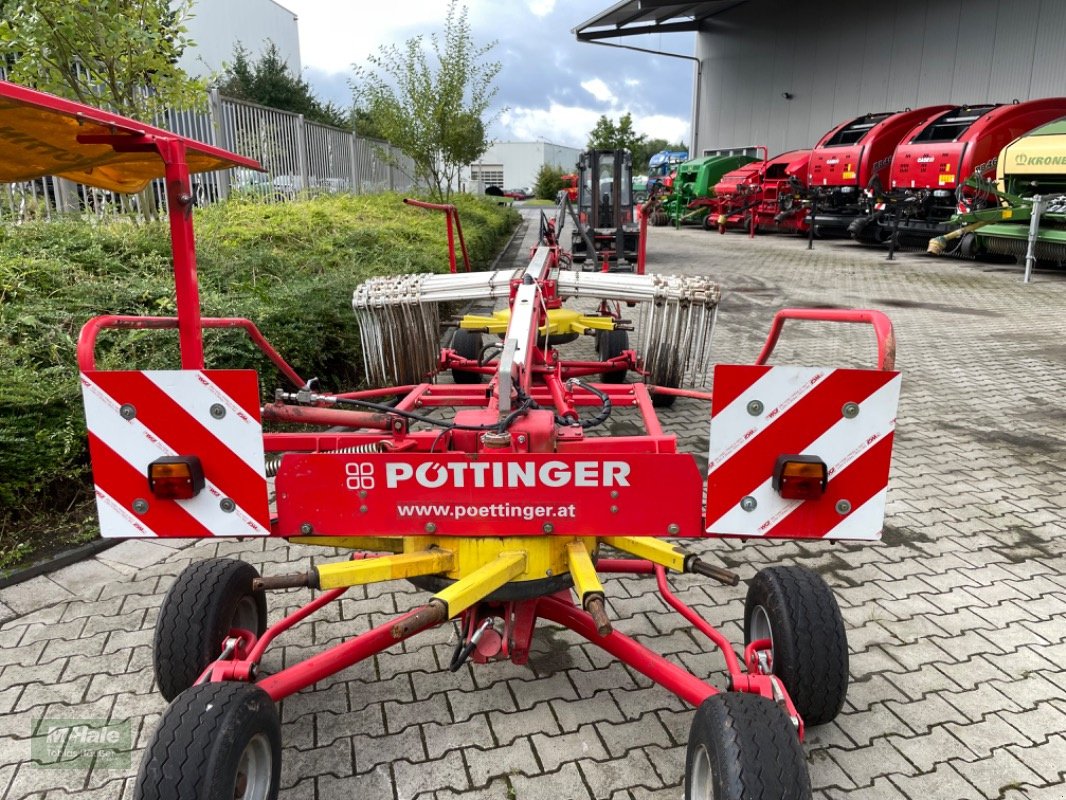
[610, 344]
[813, 652]
[181, 645]
[754, 749]
[178, 759]
[468, 344]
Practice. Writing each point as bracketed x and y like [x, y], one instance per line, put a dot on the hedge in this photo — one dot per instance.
[291, 268]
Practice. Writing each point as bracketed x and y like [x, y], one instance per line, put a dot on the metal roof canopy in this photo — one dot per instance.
[635, 17]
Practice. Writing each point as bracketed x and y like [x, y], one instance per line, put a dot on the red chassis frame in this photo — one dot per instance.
[541, 375]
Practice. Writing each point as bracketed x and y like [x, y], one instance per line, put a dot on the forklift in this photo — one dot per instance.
[607, 227]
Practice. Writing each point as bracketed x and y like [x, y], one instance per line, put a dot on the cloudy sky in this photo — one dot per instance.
[551, 86]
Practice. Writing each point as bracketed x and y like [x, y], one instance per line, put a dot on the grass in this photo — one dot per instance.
[290, 268]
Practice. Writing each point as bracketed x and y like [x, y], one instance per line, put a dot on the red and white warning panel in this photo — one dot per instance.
[842, 418]
[210, 418]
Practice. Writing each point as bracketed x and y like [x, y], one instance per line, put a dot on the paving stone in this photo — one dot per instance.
[863, 764]
[376, 782]
[516, 758]
[138, 553]
[567, 782]
[644, 731]
[552, 751]
[506, 727]
[943, 781]
[29, 596]
[400, 715]
[412, 780]
[604, 778]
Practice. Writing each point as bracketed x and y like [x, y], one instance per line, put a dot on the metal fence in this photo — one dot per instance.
[299, 158]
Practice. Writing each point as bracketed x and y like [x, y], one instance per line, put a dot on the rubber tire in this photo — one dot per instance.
[611, 344]
[751, 749]
[810, 645]
[468, 344]
[196, 749]
[671, 379]
[196, 615]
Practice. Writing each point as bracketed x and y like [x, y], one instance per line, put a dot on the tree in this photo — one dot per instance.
[270, 82]
[432, 112]
[606, 135]
[120, 54]
[549, 182]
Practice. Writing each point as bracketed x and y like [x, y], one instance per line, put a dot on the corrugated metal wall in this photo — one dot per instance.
[839, 60]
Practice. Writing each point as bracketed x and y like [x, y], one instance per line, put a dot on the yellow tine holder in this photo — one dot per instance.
[481, 582]
[654, 550]
[462, 594]
[587, 585]
[384, 568]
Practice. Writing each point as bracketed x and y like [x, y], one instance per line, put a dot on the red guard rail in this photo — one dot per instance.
[91, 329]
[452, 213]
[886, 338]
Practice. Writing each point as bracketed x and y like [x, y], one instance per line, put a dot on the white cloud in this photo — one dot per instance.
[632, 83]
[662, 126]
[600, 90]
[541, 8]
[529, 124]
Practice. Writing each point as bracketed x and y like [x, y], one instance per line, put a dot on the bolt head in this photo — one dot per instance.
[850, 410]
[218, 411]
[127, 411]
[140, 506]
[363, 509]
[547, 527]
[431, 527]
[673, 529]
[227, 505]
[755, 407]
[307, 529]
[749, 503]
[843, 507]
[614, 509]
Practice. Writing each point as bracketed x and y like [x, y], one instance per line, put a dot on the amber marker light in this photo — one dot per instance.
[800, 477]
[176, 477]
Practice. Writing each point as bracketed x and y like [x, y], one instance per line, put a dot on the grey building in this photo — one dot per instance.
[216, 27]
[783, 72]
[514, 165]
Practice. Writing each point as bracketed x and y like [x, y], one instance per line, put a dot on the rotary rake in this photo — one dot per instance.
[487, 493]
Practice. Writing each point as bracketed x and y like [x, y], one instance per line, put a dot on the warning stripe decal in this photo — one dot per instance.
[122, 450]
[802, 414]
[808, 411]
[158, 410]
[124, 485]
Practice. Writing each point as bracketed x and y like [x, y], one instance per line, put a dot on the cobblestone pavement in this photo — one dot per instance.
[955, 619]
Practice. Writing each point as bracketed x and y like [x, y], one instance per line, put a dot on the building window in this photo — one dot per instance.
[488, 174]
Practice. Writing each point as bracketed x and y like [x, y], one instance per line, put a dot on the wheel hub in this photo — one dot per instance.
[254, 770]
[701, 780]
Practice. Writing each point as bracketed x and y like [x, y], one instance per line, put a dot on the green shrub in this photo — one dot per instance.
[549, 182]
[290, 268]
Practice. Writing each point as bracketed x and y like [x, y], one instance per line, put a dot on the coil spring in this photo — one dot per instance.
[273, 462]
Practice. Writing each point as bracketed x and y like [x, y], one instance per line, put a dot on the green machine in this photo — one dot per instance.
[692, 194]
[1021, 214]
